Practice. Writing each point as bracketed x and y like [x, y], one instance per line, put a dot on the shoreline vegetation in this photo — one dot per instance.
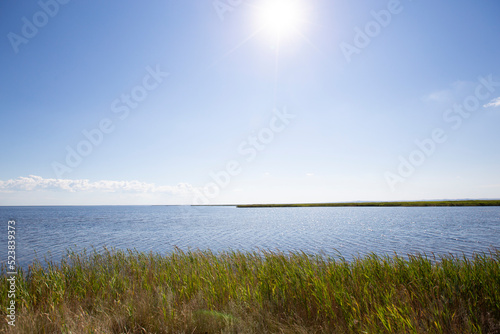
[114, 291]
[380, 204]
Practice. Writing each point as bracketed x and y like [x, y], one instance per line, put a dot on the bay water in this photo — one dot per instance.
[48, 232]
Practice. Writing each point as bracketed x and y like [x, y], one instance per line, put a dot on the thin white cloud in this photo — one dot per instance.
[35, 183]
[493, 103]
[449, 95]
[491, 186]
[439, 96]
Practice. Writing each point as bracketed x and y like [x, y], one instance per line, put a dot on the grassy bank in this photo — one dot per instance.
[389, 204]
[265, 292]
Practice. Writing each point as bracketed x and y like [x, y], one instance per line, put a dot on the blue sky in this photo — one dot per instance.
[196, 102]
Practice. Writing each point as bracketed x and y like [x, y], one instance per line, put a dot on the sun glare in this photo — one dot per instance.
[280, 17]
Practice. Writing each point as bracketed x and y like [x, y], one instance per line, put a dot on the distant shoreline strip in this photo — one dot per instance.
[379, 204]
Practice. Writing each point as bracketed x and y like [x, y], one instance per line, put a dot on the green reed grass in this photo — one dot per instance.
[115, 291]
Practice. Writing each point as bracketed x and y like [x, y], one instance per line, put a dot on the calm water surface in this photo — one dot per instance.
[348, 231]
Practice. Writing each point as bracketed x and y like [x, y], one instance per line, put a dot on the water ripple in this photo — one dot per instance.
[350, 231]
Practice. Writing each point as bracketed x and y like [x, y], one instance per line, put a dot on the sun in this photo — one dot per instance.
[280, 18]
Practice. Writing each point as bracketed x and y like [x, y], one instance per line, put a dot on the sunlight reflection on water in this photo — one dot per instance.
[350, 231]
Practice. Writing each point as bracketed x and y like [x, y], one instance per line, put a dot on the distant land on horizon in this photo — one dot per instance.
[466, 202]
[417, 203]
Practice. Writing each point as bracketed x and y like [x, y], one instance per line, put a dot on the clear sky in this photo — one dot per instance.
[251, 101]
